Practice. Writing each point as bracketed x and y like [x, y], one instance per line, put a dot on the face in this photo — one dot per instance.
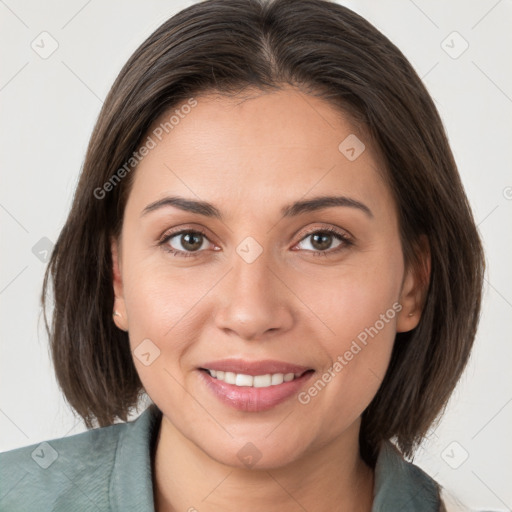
[256, 310]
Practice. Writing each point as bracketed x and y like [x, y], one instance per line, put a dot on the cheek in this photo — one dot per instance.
[355, 298]
[160, 301]
[162, 322]
[359, 307]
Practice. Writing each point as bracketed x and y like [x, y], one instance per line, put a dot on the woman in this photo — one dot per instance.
[271, 240]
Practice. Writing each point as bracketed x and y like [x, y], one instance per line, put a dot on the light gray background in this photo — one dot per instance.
[48, 109]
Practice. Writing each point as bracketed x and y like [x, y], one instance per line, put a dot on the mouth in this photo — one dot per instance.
[253, 386]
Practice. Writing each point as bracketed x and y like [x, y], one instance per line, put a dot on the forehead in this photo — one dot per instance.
[255, 147]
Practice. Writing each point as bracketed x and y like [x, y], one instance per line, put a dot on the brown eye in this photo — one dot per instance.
[325, 241]
[321, 241]
[191, 241]
[185, 243]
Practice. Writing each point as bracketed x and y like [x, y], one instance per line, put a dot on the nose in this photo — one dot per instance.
[253, 302]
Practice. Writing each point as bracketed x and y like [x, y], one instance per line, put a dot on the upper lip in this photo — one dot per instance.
[254, 367]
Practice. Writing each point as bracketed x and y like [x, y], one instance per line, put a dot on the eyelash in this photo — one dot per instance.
[342, 237]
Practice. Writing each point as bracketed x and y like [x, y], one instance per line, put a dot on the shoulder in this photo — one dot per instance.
[41, 474]
[67, 473]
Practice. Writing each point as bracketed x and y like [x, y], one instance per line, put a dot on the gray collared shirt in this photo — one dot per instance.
[109, 469]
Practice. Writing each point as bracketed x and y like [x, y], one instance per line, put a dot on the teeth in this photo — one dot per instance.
[277, 378]
[243, 380]
[258, 381]
[262, 381]
[230, 377]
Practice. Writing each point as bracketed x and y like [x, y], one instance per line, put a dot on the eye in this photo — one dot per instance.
[190, 242]
[184, 243]
[321, 241]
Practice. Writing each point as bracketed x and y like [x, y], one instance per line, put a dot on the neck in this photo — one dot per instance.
[334, 477]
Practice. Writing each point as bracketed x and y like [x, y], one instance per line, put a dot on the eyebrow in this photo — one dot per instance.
[298, 207]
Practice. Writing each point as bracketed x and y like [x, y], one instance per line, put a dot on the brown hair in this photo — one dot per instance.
[228, 46]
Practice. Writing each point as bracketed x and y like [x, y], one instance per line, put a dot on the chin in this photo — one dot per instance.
[260, 453]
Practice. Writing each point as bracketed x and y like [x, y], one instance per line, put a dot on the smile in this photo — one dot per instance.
[253, 386]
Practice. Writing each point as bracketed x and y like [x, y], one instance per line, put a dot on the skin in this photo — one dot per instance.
[249, 158]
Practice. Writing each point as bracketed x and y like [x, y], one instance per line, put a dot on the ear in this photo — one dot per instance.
[414, 288]
[119, 314]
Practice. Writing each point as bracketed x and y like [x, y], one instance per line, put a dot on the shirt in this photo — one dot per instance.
[110, 469]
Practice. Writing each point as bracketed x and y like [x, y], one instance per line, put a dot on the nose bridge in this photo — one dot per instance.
[252, 298]
[252, 275]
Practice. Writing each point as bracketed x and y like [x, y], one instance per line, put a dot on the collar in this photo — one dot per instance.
[400, 485]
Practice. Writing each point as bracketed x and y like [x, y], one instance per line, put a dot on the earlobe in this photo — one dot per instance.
[414, 289]
[407, 321]
[119, 313]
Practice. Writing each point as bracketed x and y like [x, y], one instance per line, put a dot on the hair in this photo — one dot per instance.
[325, 49]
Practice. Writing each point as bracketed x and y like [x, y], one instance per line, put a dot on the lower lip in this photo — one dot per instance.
[250, 399]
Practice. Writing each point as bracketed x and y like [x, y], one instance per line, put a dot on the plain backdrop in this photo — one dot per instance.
[49, 104]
